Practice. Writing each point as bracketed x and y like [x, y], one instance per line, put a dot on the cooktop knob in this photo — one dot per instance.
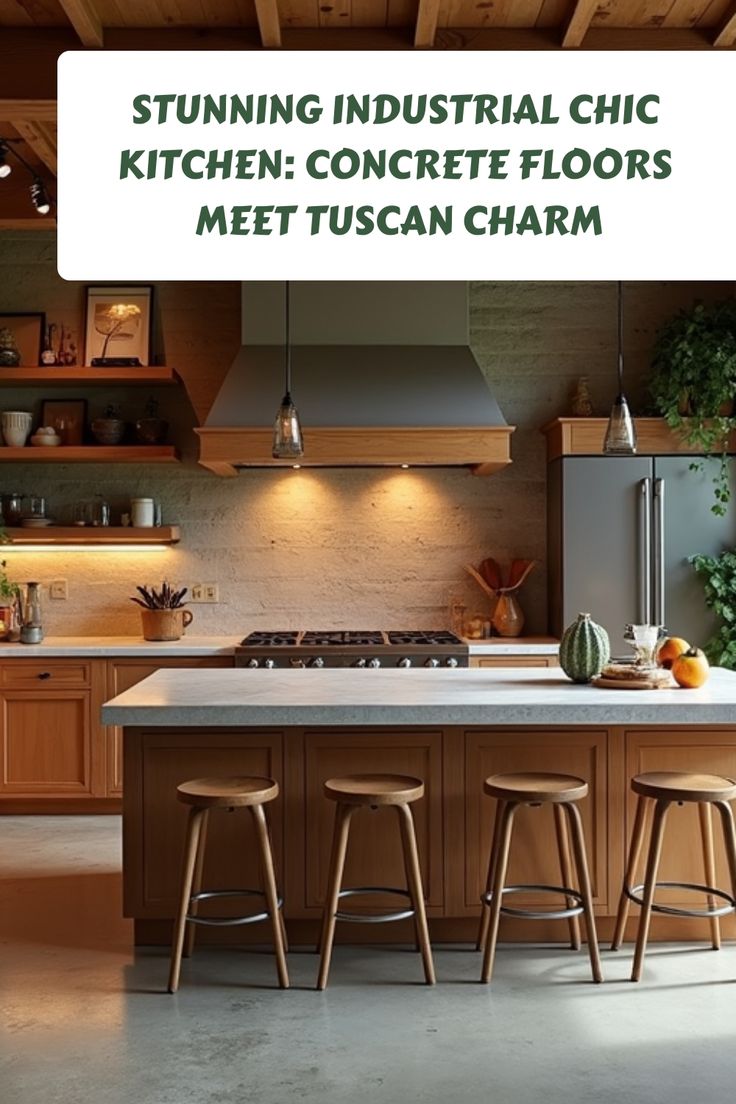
[374, 663]
[359, 663]
[451, 662]
[317, 662]
[252, 662]
[269, 663]
[406, 662]
[431, 662]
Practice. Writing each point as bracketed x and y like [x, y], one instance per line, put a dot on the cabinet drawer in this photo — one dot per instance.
[514, 661]
[27, 673]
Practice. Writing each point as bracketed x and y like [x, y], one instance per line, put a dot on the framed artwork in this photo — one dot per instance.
[21, 338]
[68, 417]
[118, 325]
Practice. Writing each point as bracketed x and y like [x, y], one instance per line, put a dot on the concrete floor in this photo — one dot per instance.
[84, 1019]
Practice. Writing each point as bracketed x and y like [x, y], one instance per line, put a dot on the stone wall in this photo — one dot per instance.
[361, 548]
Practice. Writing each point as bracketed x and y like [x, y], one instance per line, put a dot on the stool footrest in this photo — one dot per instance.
[539, 914]
[634, 894]
[228, 921]
[376, 918]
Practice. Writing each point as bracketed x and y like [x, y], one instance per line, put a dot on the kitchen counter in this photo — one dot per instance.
[346, 697]
[514, 646]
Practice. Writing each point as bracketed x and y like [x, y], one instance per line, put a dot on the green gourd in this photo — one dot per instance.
[584, 649]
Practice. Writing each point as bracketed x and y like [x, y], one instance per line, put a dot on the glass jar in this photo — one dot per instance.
[34, 506]
[13, 508]
[100, 511]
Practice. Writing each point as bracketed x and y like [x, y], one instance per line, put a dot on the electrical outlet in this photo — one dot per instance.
[59, 590]
[205, 593]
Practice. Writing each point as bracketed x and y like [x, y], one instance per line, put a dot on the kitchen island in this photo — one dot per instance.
[452, 728]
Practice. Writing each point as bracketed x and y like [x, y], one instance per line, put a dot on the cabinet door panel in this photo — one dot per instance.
[46, 743]
[514, 661]
[374, 851]
[534, 858]
[708, 752]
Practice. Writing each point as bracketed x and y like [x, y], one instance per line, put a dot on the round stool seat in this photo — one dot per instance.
[536, 786]
[226, 793]
[683, 786]
[374, 789]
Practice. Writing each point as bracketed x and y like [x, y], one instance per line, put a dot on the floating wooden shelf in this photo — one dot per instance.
[585, 436]
[92, 454]
[58, 376]
[92, 535]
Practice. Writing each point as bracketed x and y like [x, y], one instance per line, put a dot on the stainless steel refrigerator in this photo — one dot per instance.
[621, 530]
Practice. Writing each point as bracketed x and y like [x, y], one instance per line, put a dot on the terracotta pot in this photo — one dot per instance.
[165, 624]
[508, 616]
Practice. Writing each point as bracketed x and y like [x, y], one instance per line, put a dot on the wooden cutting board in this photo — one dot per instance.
[642, 683]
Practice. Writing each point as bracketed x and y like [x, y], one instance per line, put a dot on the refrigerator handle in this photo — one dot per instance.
[659, 610]
[645, 551]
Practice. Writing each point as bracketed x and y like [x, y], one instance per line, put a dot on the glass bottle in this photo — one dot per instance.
[32, 628]
[100, 511]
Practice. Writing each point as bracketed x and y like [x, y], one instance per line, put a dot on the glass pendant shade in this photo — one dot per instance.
[287, 431]
[288, 443]
[620, 439]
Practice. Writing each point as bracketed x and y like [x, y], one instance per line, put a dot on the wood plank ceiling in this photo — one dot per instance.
[34, 32]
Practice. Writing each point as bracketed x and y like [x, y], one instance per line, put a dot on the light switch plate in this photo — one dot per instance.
[205, 593]
[59, 590]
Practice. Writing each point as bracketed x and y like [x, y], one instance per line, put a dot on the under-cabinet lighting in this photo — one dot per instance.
[405, 466]
[34, 548]
[296, 467]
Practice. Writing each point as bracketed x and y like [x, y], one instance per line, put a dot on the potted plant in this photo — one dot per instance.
[110, 428]
[694, 382]
[9, 602]
[719, 580]
[162, 612]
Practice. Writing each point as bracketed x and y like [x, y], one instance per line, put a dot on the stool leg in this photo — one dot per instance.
[499, 877]
[343, 813]
[411, 861]
[729, 839]
[624, 904]
[194, 826]
[709, 865]
[270, 892]
[196, 884]
[581, 862]
[485, 910]
[650, 884]
[566, 872]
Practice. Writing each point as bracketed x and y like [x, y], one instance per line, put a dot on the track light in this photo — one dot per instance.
[5, 168]
[39, 196]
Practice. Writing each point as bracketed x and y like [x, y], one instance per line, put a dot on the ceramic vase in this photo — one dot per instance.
[16, 425]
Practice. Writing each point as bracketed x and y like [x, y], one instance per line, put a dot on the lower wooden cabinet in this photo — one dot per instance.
[46, 740]
[515, 661]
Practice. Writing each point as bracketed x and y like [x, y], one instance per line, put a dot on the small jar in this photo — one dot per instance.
[143, 513]
[13, 509]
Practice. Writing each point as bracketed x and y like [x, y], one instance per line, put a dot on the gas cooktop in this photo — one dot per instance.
[352, 648]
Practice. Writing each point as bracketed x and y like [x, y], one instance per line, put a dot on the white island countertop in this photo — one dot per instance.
[345, 696]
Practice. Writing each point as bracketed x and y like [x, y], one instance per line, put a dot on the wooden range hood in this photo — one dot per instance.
[383, 376]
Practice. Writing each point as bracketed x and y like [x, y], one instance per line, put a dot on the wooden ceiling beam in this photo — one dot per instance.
[24, 224]
[41, 137]
[85, 20]
[40, 111]
[269, 24]
[578, 23]
[426, 26]
[727, 33]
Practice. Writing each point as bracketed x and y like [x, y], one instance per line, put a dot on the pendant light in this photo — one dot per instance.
[288, 443]
[620, 439]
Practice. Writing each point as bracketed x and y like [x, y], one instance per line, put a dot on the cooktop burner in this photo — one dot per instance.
[419, 637]
[340, 637]
[269, 639]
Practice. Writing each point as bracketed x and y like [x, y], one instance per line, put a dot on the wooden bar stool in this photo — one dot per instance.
[562, 791]
[374, 791]
[203, 794]
[662, 788]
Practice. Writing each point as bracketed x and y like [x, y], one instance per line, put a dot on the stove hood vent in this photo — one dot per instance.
[383, 375]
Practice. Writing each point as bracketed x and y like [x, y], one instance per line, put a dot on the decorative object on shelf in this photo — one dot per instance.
[620, 439]
[67, 416]
[31, 630]
[110, 428]
[162, 612]
[288, 441]
[150, 429]
[46, 437]
[508, 617]
[67, 354]
[12, 508]
[9, 606]
[584, 649]
[719, 580]
[581, 405]
[34, 507]
[21, 338]
[118, 326]
[16, 425]
[143, 512]
[48, 353]
[694, 381]
[100, 511]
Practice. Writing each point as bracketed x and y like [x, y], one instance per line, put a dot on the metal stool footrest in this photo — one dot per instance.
[228, 921]
[634, 894]
[537, 914]
[377, 918]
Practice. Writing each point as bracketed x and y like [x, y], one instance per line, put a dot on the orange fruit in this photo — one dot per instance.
[670, 648]
[691, 669]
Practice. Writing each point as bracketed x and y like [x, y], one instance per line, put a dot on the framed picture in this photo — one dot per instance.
[118, 326]
[21, 338]
[68, 417]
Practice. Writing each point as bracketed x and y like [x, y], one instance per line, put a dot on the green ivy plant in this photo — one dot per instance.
[719, 581]
[694, 382]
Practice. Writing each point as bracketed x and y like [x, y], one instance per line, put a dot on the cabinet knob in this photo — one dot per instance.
[44, 675]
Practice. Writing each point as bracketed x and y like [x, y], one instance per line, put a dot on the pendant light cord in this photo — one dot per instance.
[288, 341]
[620, 337]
